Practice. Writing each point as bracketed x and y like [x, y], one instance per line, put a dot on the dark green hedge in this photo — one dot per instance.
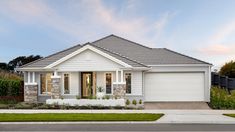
[9, 87]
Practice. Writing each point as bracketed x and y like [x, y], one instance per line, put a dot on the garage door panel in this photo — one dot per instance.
[174, 87]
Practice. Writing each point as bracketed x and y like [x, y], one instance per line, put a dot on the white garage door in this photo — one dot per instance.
[174, 87]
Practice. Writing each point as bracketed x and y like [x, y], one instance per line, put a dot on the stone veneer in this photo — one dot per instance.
[31, 93]
[55, 90]
[119, 90]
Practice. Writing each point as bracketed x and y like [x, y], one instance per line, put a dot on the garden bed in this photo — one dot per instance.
[87, 102]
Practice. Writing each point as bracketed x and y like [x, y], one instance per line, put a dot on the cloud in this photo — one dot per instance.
[223, 32]
[90, 19]
[25, 10]
[216, 43]
[218, 49]
[135, 28]
[38, 13]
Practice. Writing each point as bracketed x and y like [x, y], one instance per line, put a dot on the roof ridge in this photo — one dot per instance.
[187, 56]
[119, 55]
[122, 39]
[49, 56]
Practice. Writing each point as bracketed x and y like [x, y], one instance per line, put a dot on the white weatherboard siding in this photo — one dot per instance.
[100, 78]
[88, 61]
[174, 87]
[74, 85]
[136, 82]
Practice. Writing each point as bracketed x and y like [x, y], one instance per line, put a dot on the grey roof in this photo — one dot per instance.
[51, 58]
[125, 50]
[143, 54]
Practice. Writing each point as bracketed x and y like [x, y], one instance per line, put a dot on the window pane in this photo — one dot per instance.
[128, 82]
[45, 83]
[49, 82]
[66, 84]
[42, 84]
[108, 83]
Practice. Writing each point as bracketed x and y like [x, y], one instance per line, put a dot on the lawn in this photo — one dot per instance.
[9, 117]
[230, 115]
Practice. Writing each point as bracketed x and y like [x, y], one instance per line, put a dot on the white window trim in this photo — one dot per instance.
[63, 84]
[39, 90]
[131, 81]
[111, 83]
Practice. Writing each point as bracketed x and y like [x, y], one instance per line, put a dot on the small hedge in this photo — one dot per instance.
[221, 99]
[9, 87]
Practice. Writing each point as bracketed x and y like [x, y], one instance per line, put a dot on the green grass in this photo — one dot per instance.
[9, 117]
[230, 115]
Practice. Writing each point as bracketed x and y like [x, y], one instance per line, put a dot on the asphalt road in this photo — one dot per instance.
[116, 127]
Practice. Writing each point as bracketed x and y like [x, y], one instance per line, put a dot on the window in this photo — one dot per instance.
[108, 78]
[128, 82]
[45, 83]
[66, 84]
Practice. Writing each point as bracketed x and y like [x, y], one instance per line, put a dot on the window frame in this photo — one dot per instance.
[69, 81]
[126, 82]
[111, 83]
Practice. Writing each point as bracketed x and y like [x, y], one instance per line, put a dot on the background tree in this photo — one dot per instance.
[19, 61]
[3, 66]
[228, 69]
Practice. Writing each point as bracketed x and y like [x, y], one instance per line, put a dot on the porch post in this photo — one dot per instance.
[33, 77]
[29, 77]
[55, 91]
[30, 89]
[122, 76]
[117, 76]
[119, 87]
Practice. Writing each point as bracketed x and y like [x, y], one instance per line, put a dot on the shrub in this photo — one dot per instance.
[9, 87]
[134, 102]
[85, 107]
[9, 76]
[78, 97]
[44, 106]
[23, 106]
[128, 102]
[3, 106]
[107, 97]
[64, 106]
[118, 107]
[221, 99]
[15, 87]
[3, 87]
[13, 101]
[140, 101]
[100, 89]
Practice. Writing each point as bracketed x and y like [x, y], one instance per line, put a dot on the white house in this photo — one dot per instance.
[150, 74]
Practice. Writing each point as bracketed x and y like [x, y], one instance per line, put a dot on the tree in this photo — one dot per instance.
[3, 66]
[228, 69]
[22, 60]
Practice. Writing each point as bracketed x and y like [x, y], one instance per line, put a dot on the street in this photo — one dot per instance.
[116, 127]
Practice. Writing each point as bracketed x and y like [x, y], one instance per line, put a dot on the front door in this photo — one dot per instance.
[86, 80]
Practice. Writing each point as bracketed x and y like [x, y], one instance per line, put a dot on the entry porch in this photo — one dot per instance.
[41, 86]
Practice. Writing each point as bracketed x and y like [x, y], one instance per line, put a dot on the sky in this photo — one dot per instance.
[203, 29]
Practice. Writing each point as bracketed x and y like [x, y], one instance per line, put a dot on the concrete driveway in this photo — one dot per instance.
[197, 117]
[176, 105]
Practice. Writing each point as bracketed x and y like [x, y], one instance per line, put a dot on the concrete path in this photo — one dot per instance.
[171, 116]
[197, 117]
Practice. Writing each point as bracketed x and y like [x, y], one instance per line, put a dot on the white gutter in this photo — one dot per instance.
[182, 65]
